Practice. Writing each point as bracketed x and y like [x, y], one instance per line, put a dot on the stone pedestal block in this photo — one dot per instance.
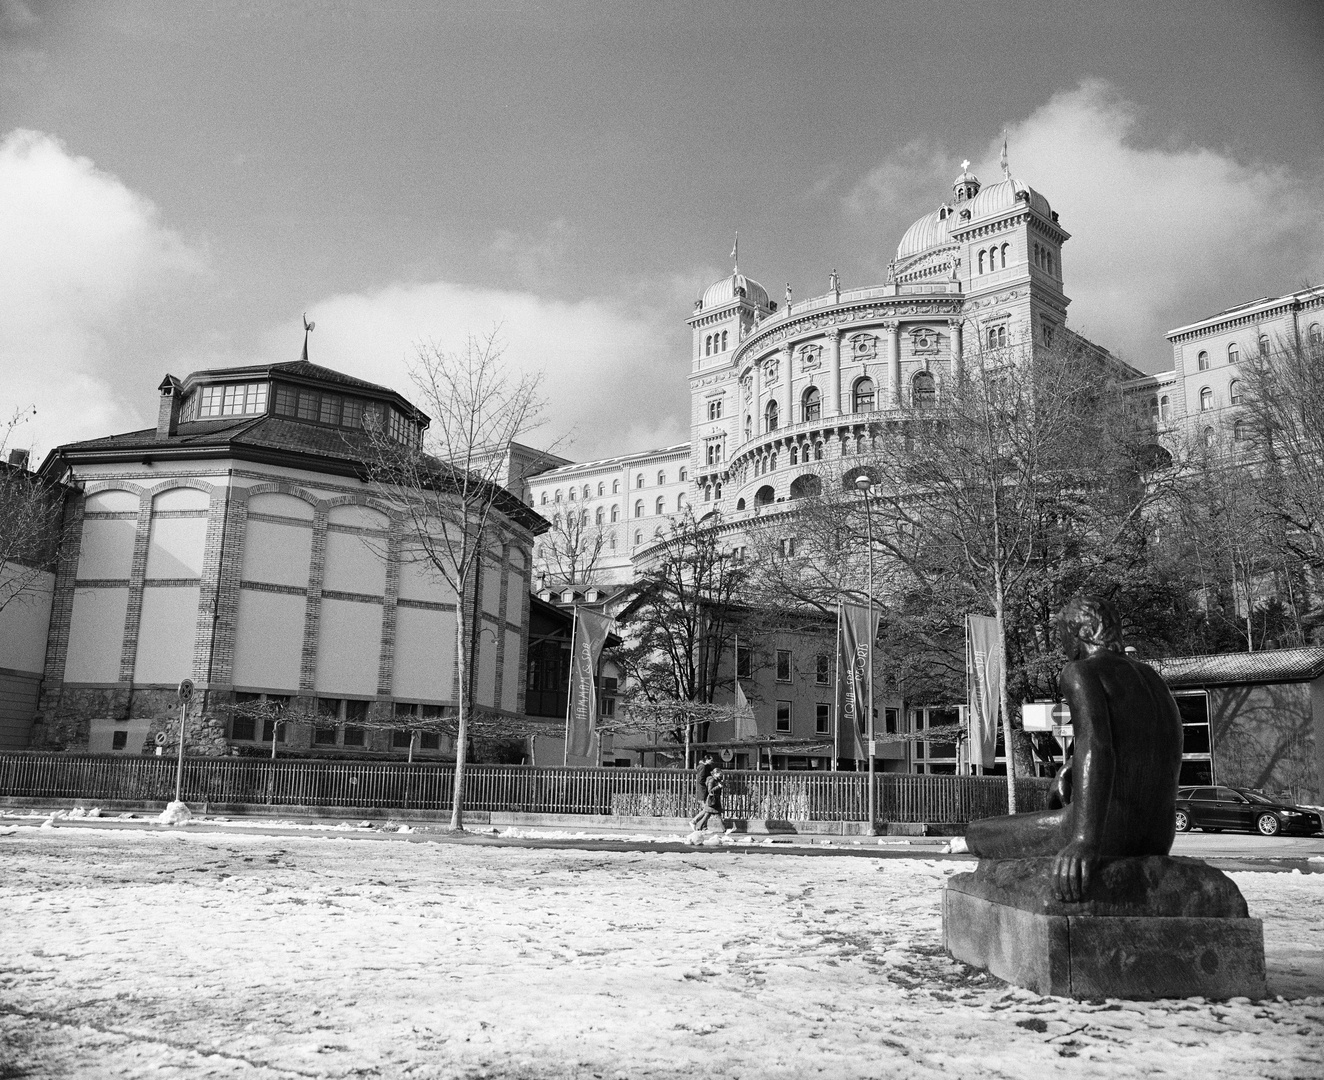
[1151, 928]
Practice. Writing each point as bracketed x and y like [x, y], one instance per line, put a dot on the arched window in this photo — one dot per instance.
[1165, 408]
[1234, 392]
[684, 474]
[1048, 255]
[544, 498]
[770, 417]
[639, 480]
[1208, 438]
[615, 487]
[981, 261]
[1206, 399]
[795, 454]
[1004, 255]
[558, 495]
[615, 512]
[806, 486]
[613, 541]
[583, 517]
[598, 516]
[1202, 361]
[812, 405]
[680, 504]
[661, 478]
[660, 507]
[638, 537]
[1314, 335]
[601, 489]
[749, 428]
[707, 493]
[1264, 344]
[1240, 432]
[764, 495]
[862, 397]
[997, 336]
[724, 333]
[572, 494]
[924, 390]
[818, 451]
[587, 493]
[1153, 408]
[717, 492]
[708, 345]
[740, 504]
[772, 461]
[639, 508]
[1233, 353]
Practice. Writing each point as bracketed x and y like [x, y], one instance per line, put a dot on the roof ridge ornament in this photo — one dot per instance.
[308, 328]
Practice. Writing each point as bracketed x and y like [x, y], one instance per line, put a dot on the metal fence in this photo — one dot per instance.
[778, 796]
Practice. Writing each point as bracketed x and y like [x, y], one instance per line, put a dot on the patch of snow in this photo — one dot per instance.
[176, 813]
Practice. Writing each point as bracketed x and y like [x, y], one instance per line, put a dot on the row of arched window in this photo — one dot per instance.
[997, 258]
[1207, 395]
[714, 343]
[864, 397]
[587, 491]
[1043, 258]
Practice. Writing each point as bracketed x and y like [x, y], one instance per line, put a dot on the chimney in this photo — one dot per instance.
[167, 419]
[19, 459]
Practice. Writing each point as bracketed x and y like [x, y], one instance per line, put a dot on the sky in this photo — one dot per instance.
[180, 183]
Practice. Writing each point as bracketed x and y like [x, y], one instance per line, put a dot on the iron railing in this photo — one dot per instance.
[779, 796]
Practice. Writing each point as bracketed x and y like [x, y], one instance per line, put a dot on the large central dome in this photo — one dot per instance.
[973, 202]
[734, 286]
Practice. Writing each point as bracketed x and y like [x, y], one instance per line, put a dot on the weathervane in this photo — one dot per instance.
[308, 328]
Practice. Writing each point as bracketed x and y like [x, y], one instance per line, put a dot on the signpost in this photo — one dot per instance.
[185, 695]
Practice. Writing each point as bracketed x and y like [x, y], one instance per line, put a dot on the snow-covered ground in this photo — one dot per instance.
[177, 954]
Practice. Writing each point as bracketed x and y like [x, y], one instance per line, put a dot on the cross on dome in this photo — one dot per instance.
[965, 165]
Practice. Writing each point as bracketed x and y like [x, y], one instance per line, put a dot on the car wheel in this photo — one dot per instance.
[1183, 821]
[1267, 825]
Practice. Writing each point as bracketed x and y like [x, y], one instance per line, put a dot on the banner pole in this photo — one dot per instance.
[569, 689]
[836, 695]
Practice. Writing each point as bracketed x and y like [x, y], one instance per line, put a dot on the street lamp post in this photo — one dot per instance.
[864, 485]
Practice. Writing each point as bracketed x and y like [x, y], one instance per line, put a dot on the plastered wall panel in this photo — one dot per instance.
[355, 563]
[113, 501]
[419, 581]
[281, 505]
[485, 691]
[424, 654]
[358, 517]
[348, 648]
[96, 635]
[276, 553]
[174, 546]
[181, 499]
[165, 635]
[492, 590]
[268, 640]
[516, 597]
[510, 673]
[106, 549]
[25, 622]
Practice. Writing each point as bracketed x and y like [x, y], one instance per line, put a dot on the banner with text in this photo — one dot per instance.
[857, 633]
[590, 634]
[984, 680]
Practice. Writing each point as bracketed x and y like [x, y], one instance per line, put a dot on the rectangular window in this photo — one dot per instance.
[783, 716]
[309, 404]
[783, 665]
[243, 727]
[822, 717]
[287, 400]
[267, 725]
[822, 669]
[236, 399]
[119, 740]
[429, 740]
[324, 736]
[889, 721]
[351, 413]
[744, 662]
[328, 715]
[329, 412]
[400, 738]
[353, 735]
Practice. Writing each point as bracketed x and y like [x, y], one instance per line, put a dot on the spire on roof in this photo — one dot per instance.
[308, 328]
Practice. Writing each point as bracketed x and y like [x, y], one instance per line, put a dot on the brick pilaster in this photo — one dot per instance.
[137, 573]
[386, 662]
[312, 617]
[62, 603]
[221, 656]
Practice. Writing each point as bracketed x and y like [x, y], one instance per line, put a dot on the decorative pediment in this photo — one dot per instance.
[811, 357]
[863, 346]
[925, 339]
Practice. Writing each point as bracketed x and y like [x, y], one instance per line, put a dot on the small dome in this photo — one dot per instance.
[929, 231]
[724, 291]
[1005, 195]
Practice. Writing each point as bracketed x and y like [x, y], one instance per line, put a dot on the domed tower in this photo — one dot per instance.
[726, 312]
[966, 186]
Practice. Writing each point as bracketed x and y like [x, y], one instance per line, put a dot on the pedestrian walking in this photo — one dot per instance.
[712, 803]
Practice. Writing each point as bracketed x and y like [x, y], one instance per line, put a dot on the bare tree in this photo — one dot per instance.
[571, 548]
[446, 487]
[31, 516]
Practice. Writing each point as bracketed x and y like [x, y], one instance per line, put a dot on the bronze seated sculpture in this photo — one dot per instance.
[1082, 898]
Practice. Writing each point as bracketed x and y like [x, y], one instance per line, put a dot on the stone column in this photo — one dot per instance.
[832, 407]
[757, 414]
[893, 363]
[787, 406]
[958, 350]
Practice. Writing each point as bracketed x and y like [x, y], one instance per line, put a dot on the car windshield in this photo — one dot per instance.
[1253, 797]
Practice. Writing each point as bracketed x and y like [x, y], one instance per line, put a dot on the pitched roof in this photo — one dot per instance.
[1270, 666]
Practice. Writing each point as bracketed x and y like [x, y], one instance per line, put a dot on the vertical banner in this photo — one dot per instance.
[984, 678]
[856, 635]
[586, 642]
[746, 728]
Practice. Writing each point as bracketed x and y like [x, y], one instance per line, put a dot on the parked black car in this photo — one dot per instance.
[1217, 808]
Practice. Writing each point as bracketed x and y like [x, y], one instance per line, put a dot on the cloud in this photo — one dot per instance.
[1162, 234]
[615, 372]
[87, 267]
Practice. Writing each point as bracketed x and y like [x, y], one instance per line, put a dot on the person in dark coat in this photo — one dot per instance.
[712, 803]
